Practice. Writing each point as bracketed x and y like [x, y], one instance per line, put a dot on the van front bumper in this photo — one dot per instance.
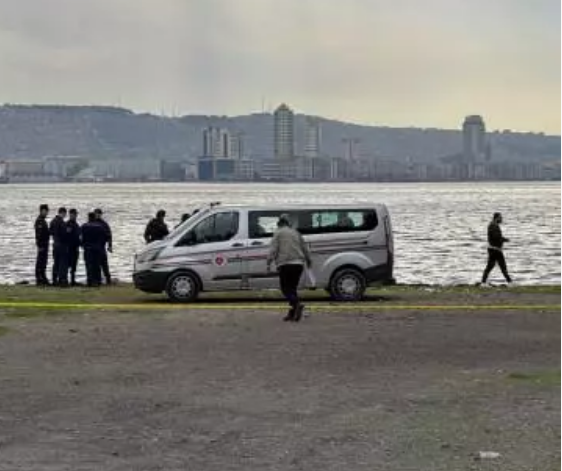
[150, 281]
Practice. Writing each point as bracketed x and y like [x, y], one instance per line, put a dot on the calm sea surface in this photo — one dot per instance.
[440, 229]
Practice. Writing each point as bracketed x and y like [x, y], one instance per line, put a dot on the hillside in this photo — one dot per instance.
[108, 132]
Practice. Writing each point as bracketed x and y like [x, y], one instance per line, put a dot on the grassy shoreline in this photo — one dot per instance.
[126, 293]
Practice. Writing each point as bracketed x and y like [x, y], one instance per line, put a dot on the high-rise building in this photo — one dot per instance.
[208, 142]
[312, 138]
[224, 144]
[237, 150]
[216, 143]
[284, 132]
[475, 148]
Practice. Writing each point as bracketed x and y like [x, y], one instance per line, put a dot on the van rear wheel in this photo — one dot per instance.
[348, 284]
[182, 287]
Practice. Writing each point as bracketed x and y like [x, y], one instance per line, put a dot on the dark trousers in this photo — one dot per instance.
[289, 278]
[92, 260]
[73, 255]
[495, 256]
[104, 265]
[60, 264]
[41, 265]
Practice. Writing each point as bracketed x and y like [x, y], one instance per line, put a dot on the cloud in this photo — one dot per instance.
[398, 62]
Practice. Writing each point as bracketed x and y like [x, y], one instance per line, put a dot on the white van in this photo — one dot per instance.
[224, 248]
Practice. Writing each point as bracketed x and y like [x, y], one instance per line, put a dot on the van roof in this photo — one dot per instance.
[293, 206]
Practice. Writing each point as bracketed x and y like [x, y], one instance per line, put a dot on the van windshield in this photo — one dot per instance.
[194, 216]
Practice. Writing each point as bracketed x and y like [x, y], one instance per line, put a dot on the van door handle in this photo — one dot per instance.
[257, 242]
[237, 244]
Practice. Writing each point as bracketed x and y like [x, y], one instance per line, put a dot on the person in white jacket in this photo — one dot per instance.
[290, 253]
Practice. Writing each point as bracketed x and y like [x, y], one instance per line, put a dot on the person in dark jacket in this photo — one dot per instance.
[73, 242]
[184, 217]
[495, 249]
[107, 245]
[57, 228]
[156, 229]
[42, 236]
[94, 239]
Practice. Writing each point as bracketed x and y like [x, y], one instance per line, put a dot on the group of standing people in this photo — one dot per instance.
[68, 236]
[94, 237]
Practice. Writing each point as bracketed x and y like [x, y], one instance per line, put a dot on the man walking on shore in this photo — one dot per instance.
[42, 243]
[495, 249]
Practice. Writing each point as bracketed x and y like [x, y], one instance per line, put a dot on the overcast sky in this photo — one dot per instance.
[395, 62]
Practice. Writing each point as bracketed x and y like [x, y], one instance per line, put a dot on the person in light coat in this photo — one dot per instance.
[291, 255]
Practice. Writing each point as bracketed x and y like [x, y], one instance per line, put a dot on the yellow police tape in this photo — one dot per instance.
[267, 306]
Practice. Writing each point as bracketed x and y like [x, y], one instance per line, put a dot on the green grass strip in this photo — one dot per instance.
[264, 306]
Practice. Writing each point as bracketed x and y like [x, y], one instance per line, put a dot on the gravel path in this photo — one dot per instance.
[217, 390]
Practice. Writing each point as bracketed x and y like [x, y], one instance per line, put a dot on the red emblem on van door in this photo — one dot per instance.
[220, 261]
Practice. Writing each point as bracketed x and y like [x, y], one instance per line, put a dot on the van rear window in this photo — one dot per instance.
[325, 221]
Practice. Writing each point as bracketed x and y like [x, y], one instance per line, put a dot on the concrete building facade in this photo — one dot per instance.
[284, 132]
[475, 146]
[312, 138]
[216, 143]
[237, 149]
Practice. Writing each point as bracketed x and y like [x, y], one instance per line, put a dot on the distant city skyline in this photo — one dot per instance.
[393, 62]
[411, 155]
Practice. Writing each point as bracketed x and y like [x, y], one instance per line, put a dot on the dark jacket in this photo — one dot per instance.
[495, 237]
[108, 237]
[42, 233]
[156, 229]
[57, 228]
[94, 235]
[73, 234]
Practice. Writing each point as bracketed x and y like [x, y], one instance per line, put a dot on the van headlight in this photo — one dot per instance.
[149, 255]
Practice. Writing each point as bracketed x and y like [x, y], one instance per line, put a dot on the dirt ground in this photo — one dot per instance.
[345, 389]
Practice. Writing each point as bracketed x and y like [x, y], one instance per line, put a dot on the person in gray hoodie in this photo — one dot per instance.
[290, 253]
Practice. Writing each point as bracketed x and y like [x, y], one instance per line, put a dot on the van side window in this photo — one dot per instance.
[340, 220]
[218, 227]
[262, 224]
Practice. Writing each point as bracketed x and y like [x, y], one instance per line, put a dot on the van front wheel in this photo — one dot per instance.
[348, 284]
[182, 287]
